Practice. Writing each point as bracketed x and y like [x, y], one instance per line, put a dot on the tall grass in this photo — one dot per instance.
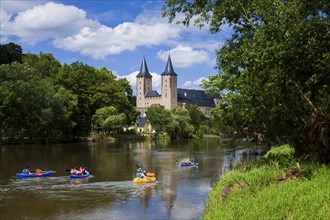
[260, 194]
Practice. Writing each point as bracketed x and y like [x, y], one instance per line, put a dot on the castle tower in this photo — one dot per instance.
[143, 85]
[169, 86]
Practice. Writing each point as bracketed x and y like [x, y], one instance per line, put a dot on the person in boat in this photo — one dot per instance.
[74, 171]
[38, 171]
[26, 170]
[186, 161]
[144, 175]
[82, 170]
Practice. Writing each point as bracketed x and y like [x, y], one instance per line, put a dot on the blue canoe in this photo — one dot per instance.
[75, 176]
[43, 174]
[189, 164]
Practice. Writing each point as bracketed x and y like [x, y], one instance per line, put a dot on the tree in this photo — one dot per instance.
[159, 118]
[32, 106]
[95, 89]
[10, 53]
[109, 119]
[197, 117]
[114, 93]
[45, 64]
[273, 71]
[180, 126]
[79, 78]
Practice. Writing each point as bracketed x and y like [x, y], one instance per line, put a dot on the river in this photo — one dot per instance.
[109, 193]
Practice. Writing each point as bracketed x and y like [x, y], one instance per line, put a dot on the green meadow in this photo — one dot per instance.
[275, 187]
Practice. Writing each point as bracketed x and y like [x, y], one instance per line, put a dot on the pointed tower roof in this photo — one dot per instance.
[144, 72]
[169, 68]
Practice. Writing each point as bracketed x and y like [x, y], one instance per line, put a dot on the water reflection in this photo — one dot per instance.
[179, 193]
[79, 181]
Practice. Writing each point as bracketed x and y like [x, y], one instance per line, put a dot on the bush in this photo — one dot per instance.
[282, 156]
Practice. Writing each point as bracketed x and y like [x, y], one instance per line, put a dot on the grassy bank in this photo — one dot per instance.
[276, 187]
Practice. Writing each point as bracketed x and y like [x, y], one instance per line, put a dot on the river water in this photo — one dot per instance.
[179, 193]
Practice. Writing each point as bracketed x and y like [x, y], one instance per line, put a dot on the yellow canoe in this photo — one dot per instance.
[144, 180]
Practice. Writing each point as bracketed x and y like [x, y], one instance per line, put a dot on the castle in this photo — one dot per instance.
[170, 96]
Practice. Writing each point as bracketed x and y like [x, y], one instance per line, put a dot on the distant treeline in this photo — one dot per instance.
[43, 101]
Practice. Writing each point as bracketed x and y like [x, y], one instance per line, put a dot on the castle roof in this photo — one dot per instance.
[144, 72]
[152, 94]
[197, 97]
[169, 68]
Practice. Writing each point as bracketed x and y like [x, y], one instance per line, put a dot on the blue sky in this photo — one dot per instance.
[112, 34]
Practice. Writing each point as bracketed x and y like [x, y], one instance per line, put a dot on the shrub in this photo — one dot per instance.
[282, 155]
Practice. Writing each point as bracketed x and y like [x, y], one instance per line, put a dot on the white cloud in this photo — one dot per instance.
[4, 18]
[70, 30]
[193, 84]
[156, 81]
[131, 79]
[185, 56]
[12, 6]
[127, 36]
[50, 20]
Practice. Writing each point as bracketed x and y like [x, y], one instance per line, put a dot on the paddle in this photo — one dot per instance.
[140, 168]
[139, 165]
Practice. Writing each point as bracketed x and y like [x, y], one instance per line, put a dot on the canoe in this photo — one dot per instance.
[189, 164]
[75, 176]
[43, 174]
[144, 180]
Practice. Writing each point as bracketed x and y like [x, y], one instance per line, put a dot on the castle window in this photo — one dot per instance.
[165, 95]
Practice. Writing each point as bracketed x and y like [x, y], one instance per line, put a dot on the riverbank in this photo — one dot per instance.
[275, 187]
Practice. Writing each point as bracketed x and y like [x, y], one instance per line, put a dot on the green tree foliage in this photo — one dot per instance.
[109, 119]
[197, 117]
[159, 118]
[78, 78]
[46, 101]
[117, 93]
[10, 53]
[95, 89]
[180, 125]
[273, 71]
[45, 64]
[32, 106]
[175, 122]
